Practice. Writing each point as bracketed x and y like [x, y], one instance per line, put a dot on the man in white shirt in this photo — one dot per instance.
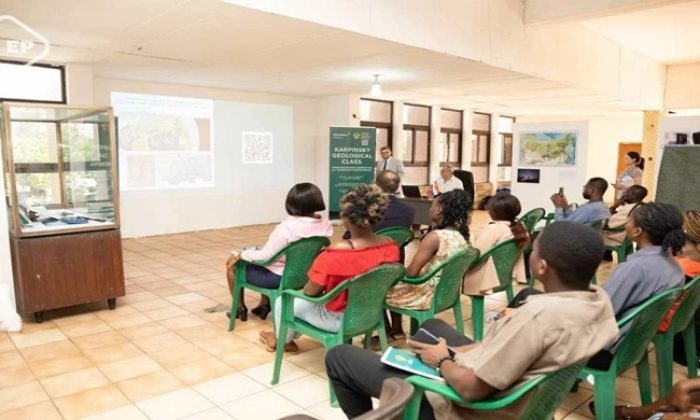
[447, 181]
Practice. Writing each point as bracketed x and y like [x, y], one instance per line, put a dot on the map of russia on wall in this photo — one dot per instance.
[548, 148]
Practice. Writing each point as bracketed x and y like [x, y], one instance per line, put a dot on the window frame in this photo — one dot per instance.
[62, 69]
[388, 126]
[414, 128]
[460, 139]
[503, 142]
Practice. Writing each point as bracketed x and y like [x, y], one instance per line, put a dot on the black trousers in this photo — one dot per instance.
[357, 374]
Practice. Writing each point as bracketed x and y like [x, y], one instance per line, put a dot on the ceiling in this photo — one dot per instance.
[215, 44]
[669, 34]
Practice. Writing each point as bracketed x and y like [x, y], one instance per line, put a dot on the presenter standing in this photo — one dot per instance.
[390, 163]
[632, 175]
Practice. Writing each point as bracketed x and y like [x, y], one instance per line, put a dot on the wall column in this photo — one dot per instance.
[649, 139]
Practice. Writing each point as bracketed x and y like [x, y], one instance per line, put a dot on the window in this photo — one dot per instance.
[505, 135]
[416, 131]
[481, 139]
[450, 147]
[36, 83]
[377, 114]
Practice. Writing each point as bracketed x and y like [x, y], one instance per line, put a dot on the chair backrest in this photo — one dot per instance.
[531, 218]
[504, 255]
[366, 294]
[399, 234]
[395, 395]
[298, 257]
[598, 225]
[548, 394]
[451, 272]
[686, 311]
[643, 320]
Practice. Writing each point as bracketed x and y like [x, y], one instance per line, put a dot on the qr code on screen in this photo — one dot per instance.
[257, 147]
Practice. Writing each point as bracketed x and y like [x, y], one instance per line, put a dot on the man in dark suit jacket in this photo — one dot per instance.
[397, 213]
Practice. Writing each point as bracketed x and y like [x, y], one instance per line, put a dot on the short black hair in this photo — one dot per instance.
[598, 184]
[663, 223]
[573, 250]
[635, 194]
[388, 181]
[304, 199]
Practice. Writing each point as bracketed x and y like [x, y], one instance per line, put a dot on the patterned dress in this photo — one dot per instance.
[420, 296]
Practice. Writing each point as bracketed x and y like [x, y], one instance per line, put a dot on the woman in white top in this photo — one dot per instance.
[632, 175]
[503, 209]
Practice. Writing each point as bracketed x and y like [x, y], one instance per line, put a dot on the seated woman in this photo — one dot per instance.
[362, 207]
[503, 209]
[449, 214]
[658, 231]
[689, 259]
[303, 201]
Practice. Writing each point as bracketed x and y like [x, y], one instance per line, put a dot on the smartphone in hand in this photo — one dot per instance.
[561, 191]
[424, 336]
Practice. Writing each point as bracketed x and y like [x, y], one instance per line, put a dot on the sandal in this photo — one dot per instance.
[269, 340]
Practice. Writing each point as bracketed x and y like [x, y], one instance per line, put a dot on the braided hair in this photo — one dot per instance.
[363, 205]
[507, 207]
[663, 223]
[456, 211]
[691, 226]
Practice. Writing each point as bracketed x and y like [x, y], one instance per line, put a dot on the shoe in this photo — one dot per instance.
[241, 313]
[269, 340]
[262, 311]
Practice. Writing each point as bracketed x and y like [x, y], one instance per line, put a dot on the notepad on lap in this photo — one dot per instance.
[409, 362]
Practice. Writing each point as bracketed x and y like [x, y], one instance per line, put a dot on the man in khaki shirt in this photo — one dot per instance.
[567, 324]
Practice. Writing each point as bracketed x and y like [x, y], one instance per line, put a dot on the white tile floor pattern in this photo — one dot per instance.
[160, 355]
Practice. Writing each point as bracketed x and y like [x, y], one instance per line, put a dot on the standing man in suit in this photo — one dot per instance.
[390, 163]
[397, 213]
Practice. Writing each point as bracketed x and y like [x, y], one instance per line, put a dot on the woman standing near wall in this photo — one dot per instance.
[632, 175]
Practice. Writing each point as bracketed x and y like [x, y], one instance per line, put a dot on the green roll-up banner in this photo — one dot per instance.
[352, 160]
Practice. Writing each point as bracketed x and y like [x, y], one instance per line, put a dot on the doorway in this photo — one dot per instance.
[622, 150]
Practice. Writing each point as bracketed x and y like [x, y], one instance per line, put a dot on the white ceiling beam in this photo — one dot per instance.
[554, 11]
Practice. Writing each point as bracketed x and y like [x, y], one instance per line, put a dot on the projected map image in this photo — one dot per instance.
[548, 148]
[164, 142]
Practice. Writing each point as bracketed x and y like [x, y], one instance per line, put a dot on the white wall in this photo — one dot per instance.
[605, 133]
[163, 212]
[5, 256]
[683, 86]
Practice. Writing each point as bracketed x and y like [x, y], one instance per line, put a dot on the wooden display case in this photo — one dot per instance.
[62, 198]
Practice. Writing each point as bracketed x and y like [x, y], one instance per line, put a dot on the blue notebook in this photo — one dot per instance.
[409, 362]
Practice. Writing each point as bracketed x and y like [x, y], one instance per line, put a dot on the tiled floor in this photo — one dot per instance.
[160, 355]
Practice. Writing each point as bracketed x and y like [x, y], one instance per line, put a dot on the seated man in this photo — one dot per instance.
[621, 212]
[593, 211]
[447, 181]
[567, 324]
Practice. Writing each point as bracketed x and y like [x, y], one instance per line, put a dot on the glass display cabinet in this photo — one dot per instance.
[59, 164]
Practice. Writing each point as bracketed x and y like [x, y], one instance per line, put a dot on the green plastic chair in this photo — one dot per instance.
[624, 249]
[548, 392]
[399, 234]
[504, 256]
[531, 218]
[682, 322]
[362, 315]
[447, 290]
[299, 255]
[632, 351]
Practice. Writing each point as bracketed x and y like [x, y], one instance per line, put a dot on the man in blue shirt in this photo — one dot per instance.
[593, 211]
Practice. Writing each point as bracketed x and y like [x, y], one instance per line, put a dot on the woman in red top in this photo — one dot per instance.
[362, 207]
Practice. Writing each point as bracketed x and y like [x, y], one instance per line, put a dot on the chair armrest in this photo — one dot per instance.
[325, 298]
[616, 229]
[441, 388]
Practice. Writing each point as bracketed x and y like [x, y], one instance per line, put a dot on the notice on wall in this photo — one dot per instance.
[257, 147]
[352, 160]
